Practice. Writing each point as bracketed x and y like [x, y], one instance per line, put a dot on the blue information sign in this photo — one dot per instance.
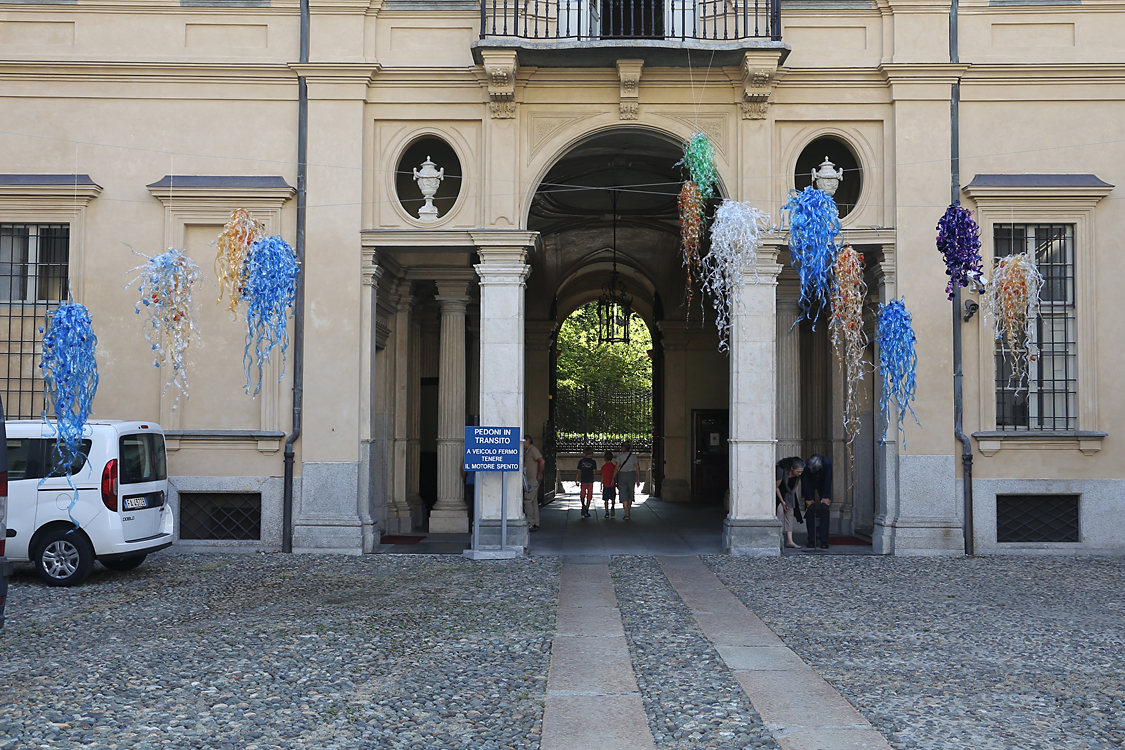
[492, 449]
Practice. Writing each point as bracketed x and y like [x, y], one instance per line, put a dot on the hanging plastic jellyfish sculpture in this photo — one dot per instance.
[691, 231]
[1011, 302]
[736, 235]
[814, 222]
[699, 162]
[166, 283]
[70, 375]
[849, 340]
[898, 363]
[959, 242]
[239, 233]
[269, 291]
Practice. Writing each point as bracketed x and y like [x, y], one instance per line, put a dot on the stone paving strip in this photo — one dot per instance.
[690, 697]
[991, 653]
[801, 710]
[278, 652]
[592, 698]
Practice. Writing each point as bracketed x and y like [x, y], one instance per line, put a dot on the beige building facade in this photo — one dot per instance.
[138, 127]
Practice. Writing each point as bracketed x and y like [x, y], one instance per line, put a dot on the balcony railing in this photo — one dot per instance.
[623, 20]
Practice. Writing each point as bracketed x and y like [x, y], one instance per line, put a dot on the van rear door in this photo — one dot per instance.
[143, 478]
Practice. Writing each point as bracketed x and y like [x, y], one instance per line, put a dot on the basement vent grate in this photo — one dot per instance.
[1037, 518]
[221, 515]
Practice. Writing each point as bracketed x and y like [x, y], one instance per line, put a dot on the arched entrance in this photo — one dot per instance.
[628, 174]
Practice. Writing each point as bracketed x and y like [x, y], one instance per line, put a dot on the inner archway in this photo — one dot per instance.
[627, 179]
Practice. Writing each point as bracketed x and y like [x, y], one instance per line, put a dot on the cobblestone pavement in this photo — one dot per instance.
[271, 651]
[691, 699]
[257, 652]
[986, 653]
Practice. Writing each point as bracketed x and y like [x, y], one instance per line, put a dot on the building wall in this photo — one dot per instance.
[129, 96]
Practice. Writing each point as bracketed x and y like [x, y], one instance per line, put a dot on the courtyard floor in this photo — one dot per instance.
[389, 651]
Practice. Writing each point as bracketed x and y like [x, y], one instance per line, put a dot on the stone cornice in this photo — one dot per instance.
[445, 240]
[1067, 74]
[121, 72]
[337, 72]
[939, 73]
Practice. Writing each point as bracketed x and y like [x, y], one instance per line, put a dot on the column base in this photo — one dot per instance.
[320, 536]
[675, 490]
[753, 537]
[400, 523]
[449, 521]
[919, 537]
[518, 535]
[493, 554]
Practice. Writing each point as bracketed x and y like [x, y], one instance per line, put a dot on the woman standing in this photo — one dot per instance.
[627, 476]
[788, 494]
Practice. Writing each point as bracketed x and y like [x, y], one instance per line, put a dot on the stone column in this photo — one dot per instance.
[503, 274]
[398, 506]
[886, 454]
[788, 366]
[752, 528]
[678, 451]
[537, 366]
[414, 419]
[450, 515]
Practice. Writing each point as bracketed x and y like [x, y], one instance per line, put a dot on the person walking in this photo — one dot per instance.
[533, 463]
[788, 493]
[585, 478]
[627, 476]
[609, 492]
[816, 484]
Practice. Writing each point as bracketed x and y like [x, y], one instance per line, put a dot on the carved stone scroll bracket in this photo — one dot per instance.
[630, 74]
[760, 74]
[500, 70]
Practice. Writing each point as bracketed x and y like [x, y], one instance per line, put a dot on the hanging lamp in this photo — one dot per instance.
[614, 307]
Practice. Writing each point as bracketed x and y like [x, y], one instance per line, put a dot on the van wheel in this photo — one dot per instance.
[64, 558]
[125, 563]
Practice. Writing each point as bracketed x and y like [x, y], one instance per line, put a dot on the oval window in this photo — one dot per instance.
[837, 151]
[444, 159]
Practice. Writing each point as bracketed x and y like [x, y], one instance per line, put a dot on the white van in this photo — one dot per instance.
[122, 513]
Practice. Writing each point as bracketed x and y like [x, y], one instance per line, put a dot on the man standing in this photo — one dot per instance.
[817, 490]
[533, 463]
[585, 478]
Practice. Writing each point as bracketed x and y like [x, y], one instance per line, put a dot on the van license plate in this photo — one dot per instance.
[132, 503]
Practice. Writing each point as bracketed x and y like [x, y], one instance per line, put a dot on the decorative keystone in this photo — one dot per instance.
[500, 68]
[630, 74]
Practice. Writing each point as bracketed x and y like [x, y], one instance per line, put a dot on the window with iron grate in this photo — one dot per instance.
[34, 278]
[221, 515]
[1037, 518]
[1047, 398]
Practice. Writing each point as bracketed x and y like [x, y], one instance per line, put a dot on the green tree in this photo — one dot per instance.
[583, 362]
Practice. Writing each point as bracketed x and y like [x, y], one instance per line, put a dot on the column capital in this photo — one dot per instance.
[538, 331]
[674, 334]
[453, 292]
[766, 265]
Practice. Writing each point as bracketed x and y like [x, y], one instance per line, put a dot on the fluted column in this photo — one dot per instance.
[788, 366]
[751, 528]
[449, 515]
[398, 505]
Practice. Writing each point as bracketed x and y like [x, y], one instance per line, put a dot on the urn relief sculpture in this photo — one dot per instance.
[826, 177]
[428, 179]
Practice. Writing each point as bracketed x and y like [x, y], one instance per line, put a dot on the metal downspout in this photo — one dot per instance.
[299, 301]
[958, 368]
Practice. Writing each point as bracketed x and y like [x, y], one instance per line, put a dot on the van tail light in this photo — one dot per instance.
[109, 485]
[3, 484]
[3, 543]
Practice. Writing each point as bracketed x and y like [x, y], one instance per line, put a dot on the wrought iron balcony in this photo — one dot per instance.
[698, 24]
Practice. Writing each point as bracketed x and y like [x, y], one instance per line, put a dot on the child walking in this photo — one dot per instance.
[609, 491]
[585, 478]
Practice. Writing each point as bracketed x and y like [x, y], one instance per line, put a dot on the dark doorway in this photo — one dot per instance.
[427, 459]
[632, 19]
[709, 430]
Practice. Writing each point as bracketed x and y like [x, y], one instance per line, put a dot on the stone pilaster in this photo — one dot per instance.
[752, 528]
[503, 274]
[788, 366]
[450, 515]
[398, 505]
[886, 454]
